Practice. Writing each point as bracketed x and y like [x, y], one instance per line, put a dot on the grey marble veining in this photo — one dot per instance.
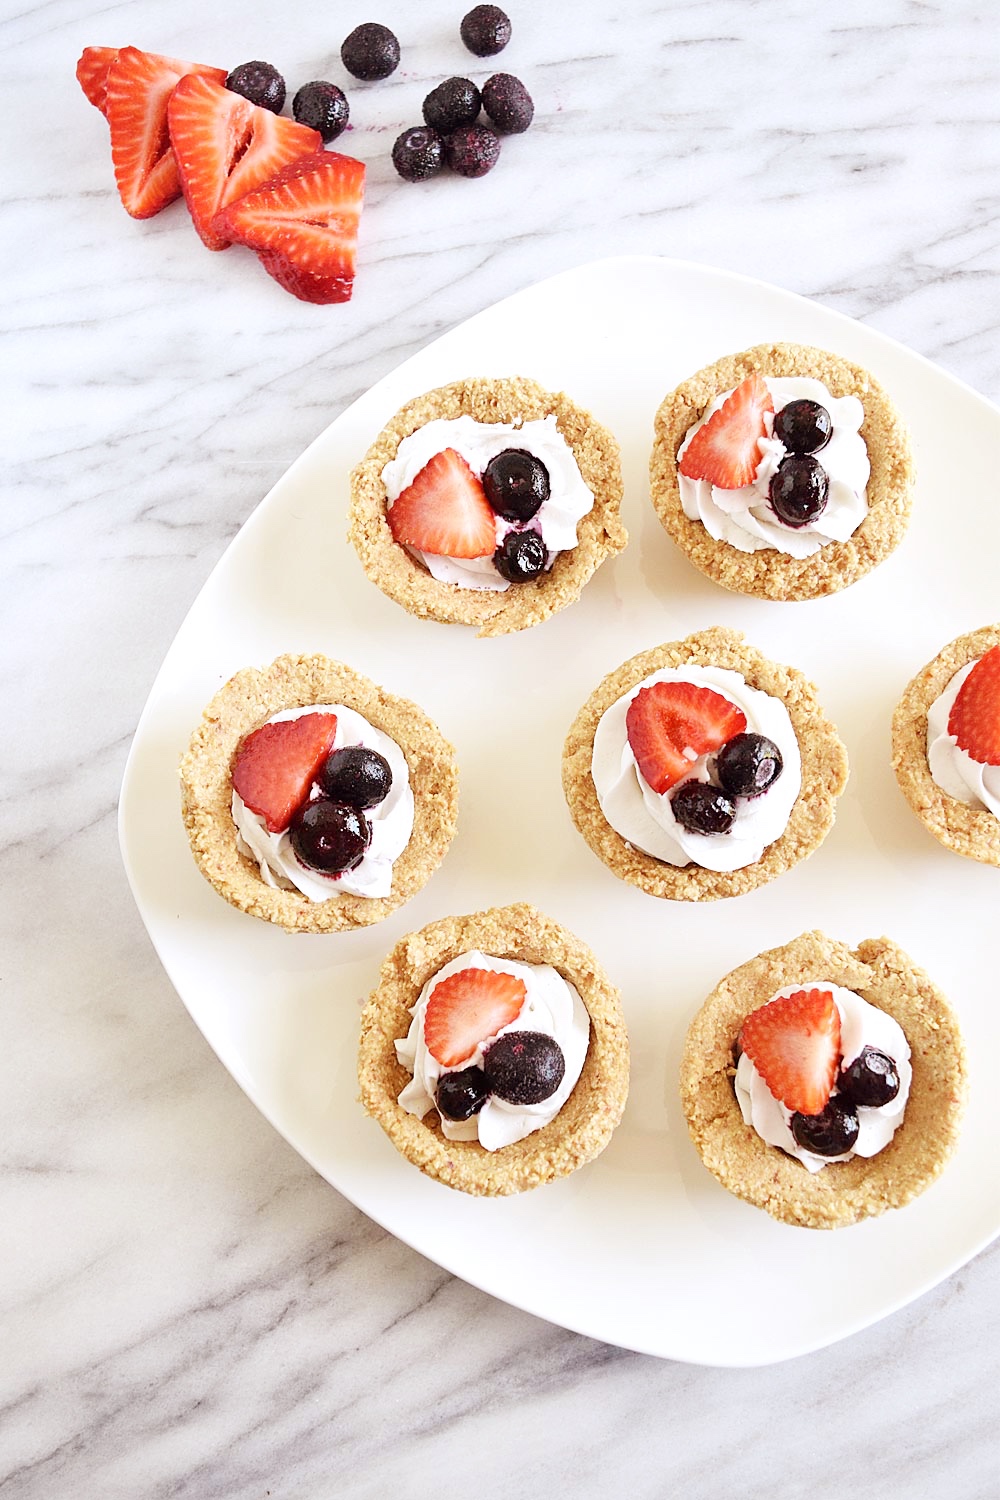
[185, 1308]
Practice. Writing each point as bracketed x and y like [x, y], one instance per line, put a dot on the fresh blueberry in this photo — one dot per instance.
[418, 153]
[323, 107]
[329, 837]
[803, 426]
[259, 82]
[462, 1094]
[508, 103]
[799, 490]
[356, 776]
[520, 556]
[455, 102]
[485, 30]
[701, 807]
[472, 150]
[871, 1079]
[524, 1067]
[516, 484]
[371, 51]
[748, 764]
[830, 1133]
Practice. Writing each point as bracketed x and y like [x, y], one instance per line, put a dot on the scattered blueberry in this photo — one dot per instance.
[259, 82]
[524, 1067]
[799, 490]
[830, 1133]
[472, 150]
[520, 556]
[508, 103]
[871, 1079]
[748, 764]
[323, 107]
[455, 102]
[803, 426]
[701, 807]
[485, 30]
[462, 1094]
[516, 484]
[371, 51]
[329, 837]
[356, 776]
[418, 153]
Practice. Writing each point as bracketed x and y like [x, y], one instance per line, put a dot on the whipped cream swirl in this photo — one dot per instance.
[552, 1005]
[744, 517]
[391, 821]
[861, 1025]
[645, 818]
[952, 769]
[478, 442]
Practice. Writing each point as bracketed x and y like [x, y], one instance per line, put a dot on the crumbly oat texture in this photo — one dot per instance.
[824, 770]
[843, 1192]
[971, 831]
[246, 702]
[584, 1125]
[769, 573]
[600, 534]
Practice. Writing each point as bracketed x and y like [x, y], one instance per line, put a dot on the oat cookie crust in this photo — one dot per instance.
[244, 704]
[600, 533]
[824, 770]
[843, 1192]
[971, 831]
[769, 573]
[583, 1126]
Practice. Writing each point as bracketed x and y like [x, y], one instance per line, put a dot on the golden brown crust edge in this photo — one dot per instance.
[586, 1121]
[824, 770]
[600, 533]
[242, 705]
[972, 832]
[843, 1192]
[769, 574]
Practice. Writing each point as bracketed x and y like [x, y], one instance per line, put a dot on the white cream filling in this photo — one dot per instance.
[952, 769]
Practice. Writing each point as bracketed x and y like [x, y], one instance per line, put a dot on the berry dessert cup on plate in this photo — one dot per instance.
[314, 799]
[825, 1085]
[701, 769]
[488, 503]
[946, 745]
[494, 1052]
[783, 472]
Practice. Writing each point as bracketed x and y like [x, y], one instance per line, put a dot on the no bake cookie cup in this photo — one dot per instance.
[768, 573]
[847, 1191]
[823, 760]
[600, 533]
[248, 701]
[971, 831]
[585, 1123]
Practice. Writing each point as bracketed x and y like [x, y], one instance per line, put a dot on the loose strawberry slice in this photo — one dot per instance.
[304, 225]
[669, 718]
[277, 764]
[138, 89]
[469, 1008]
[724, 451]
[445, 511]
[92, 74]
[794, 1044]
[975, 714]
[225, 146]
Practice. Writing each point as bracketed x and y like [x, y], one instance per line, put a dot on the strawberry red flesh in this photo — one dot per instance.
[92, 74]
[725, 450]
[277, 764]
[794, 1043]
[975, 714]
[667, 719]
[469, 1008]
[445, 511]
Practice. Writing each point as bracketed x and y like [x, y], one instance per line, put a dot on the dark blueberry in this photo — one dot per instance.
[330, 837]
[830, 1133]
[461, 1095]
[803, 426]
[520, 556]
[323, 107]
[472, 150]
[516, 484]
[508, 103]
[748, 764]
[418, 153]
[703, 808]
[524, 1067]
[371, 51]
[485, 30]
[454, 102]
[799, 490]
[260, 83]
[871, 1079]
[356, 776]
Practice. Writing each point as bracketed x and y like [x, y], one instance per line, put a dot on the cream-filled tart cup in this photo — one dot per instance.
[775, 831]
[255, 882]
[523, 938]
[582, 461]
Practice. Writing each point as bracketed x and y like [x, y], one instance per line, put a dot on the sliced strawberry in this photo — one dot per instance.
[724, 451]
[794, 1044]
[975, 714]
[92, 74]
[669, 718]
[469, 1008]
[445, 511]
[304, 225]
[277, 764]
[225, 146]
[138, 89]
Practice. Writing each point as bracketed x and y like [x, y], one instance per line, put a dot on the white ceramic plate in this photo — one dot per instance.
[642, 1248]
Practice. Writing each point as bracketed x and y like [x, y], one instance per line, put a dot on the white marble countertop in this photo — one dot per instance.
[188, 1310]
